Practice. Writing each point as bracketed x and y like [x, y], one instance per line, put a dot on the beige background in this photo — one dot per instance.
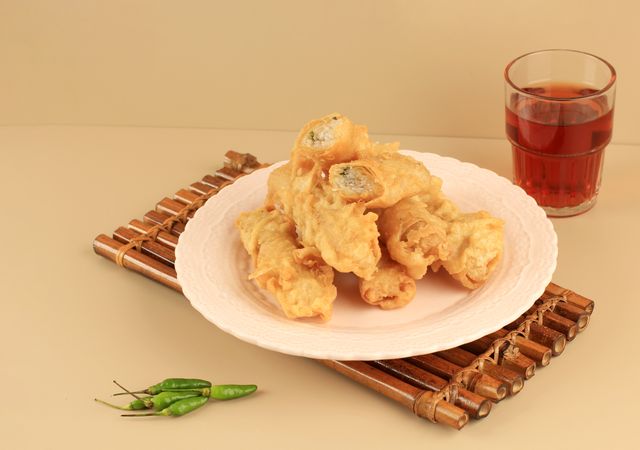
[70, 321]
[411, 67]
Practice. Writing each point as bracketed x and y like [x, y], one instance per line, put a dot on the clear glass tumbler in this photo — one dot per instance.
[559, 119]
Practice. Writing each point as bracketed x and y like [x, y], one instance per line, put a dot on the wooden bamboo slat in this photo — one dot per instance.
[475, 405]
[461, 358]
[447, 387]
[517, 362]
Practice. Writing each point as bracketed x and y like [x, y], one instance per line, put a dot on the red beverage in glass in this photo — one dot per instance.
[558, 150]
[559, 129]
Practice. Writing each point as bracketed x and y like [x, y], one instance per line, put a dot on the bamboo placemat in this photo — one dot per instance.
[447, 387]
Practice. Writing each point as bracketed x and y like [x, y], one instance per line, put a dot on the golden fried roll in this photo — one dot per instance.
[437, 202]
[415, 237]
[298, 277]
[355, 181]
[345, 234]
[475, 243]
[380, 181]
[278, 187]
[328, 140]
[390, 287]
[377, 149]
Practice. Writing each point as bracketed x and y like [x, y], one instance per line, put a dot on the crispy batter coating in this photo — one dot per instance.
[390, 287]
[414, 236]
[375, 149]
[437, 203]
[298, 277]
[345, 234]
[278, 186]
[379, 181]
[475, 242]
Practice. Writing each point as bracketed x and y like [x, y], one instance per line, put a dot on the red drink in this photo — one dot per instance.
[558, 147]
[559, 118]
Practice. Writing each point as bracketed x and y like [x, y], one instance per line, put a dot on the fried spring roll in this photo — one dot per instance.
[377, 149]
[278, 186]
[328, 140]
[298, 277]
[380, 181]
[437, 203]
[390, 286]
[345, 234]
[415, 237]
[279, 182]
[475, 242]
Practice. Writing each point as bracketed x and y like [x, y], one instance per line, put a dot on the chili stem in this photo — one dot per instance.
[129, 393]
[139, 415]
[110, 404]
[127, 390]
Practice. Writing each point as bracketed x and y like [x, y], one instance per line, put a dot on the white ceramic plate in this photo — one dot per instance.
[212, 268]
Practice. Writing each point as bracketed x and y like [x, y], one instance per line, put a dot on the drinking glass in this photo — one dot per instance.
[559, 119]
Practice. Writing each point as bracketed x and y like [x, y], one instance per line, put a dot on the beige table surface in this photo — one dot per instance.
[72, 321]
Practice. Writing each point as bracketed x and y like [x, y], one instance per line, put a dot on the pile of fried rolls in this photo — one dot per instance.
[348, 204]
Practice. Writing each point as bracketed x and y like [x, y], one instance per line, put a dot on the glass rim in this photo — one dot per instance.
[609, 85]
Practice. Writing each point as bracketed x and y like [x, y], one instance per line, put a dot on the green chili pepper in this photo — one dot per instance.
[172, 384]
[224, 391]
[158, 402]
[164, 399]
[230, 391]
[179, 408]
[175, 385]
[137, 404]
